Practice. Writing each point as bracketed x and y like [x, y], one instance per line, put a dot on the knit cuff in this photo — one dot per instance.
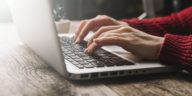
[177, 51]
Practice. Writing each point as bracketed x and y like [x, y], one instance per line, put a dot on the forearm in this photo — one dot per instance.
[177, 51]
[177, 23]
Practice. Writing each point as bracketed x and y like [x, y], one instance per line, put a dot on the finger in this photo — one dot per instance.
[92, 48]
[100, 31]
[109, 30]
[112, 40]
[91, 25]
[97, 43]
[113, 37]
[119, 31]
[81, 25]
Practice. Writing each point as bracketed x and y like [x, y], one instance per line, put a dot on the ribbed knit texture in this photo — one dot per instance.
[177, 31]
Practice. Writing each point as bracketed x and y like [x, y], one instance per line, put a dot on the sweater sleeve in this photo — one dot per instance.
[177, 23]
[177, 31]
[177, 51]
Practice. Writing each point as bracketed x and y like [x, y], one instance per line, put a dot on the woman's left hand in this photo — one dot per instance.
[139, 43]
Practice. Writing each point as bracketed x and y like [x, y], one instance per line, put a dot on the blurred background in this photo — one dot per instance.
[82, 9]
[85, 9]
[5, 15]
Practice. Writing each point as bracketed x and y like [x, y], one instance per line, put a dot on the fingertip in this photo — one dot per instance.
[80, 37]
[87, 51]
[77, 41]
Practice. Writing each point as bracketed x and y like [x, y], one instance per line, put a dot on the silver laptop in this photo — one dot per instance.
[36, 28]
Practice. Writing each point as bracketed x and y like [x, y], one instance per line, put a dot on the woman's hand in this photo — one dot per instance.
[109, 31]
[93, 25]
[139, 43]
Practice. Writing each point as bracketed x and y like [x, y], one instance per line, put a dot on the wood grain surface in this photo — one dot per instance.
[22, 73]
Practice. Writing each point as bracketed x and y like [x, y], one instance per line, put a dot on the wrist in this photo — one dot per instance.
[159, 46]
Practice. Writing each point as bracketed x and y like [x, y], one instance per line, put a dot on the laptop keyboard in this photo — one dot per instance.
[74, 53]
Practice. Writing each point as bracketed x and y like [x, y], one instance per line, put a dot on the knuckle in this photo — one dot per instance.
[103, 28]
[105, 17]
[100, 31]
[102, 15]
[91, 21]
[123, 28]
[99, 16]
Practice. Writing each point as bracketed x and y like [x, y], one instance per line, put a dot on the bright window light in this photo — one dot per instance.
[5, 15]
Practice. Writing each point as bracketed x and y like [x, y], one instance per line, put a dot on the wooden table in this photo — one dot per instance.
[23, 73]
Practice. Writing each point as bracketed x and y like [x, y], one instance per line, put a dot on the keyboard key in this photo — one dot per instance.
[67, 52]
[80, 66]
[75, 63]
[70, 60]
[88, 66]
[91, 61]
[71, 54]
[75, 57]
[109, 64]
[83, 62]
[98, 64]
[74, 53]
[128, 63]
[78, 59]
[67, 57]
[87, 58]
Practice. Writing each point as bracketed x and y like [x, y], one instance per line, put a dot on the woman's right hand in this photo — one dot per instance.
[94, 24]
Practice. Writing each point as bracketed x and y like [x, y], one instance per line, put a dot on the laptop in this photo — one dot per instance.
[36, 28]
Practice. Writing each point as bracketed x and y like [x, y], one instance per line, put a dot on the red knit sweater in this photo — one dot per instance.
[177, 31]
